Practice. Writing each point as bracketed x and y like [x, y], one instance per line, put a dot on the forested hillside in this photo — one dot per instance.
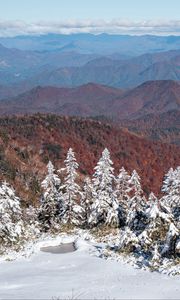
[28, 143]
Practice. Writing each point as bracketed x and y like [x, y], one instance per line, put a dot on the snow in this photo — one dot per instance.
[79, 275]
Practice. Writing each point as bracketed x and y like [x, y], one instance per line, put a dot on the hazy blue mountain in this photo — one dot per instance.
[89, 43]
[24, 69]
[117, 73]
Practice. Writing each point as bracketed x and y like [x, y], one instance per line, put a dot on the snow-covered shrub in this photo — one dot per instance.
[159, 236]
[128, 241]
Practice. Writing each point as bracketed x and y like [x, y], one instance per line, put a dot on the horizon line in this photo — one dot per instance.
[12, 28]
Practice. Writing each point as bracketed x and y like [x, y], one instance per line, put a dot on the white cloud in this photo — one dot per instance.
[158, 27]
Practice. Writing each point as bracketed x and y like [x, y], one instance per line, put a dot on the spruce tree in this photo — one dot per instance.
[155, 208]
[32, 225]
[52, 202]
[87, 200]
[105, 209]
[172, 237]
[72, 194]
[158, 219]
[122, 191]
[11, 223]
[156, 257]
[171, 188]
[135, 216]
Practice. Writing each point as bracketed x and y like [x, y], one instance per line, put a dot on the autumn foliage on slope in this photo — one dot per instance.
[28, 143]
[164, 127]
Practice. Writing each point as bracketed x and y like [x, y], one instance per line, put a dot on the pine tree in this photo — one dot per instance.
[32, 225]
[73, 211]
[11, 224]
[87, 200]
[135, 216]
[172, 236]
[158, 219]
[105, 209]
[135, 184]
[171, 188]
[52, 202]
[122, 192]
[123, 186]
[156, 257]
[155, 209]
[168, 180]
[113, 213]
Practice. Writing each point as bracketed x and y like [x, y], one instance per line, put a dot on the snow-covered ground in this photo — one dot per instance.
[79, 275]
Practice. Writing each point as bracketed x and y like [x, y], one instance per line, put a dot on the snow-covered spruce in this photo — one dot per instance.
[73, 211]
[32, 225]
[136, 204]
[171, 188]
[11, 224]
[157, 220]
[86, 200]
[105, 208]
[122, 192]
[171, 244]
[52, 201]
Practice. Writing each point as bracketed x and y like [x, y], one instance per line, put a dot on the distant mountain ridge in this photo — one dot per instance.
[90, 43]
[28, 69]
[151, 97]
[126, 73]
[93, 100]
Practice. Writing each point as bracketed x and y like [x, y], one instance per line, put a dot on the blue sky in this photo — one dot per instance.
[34, 10]
[96, 16]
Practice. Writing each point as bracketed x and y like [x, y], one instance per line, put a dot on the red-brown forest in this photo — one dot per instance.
[27, 143]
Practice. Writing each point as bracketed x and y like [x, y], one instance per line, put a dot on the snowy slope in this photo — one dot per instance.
[79, 275]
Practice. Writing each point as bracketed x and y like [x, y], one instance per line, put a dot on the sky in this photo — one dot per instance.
[31, 16]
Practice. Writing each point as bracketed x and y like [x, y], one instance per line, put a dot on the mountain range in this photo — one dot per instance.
[90, 43]
[94, 100]
[25, 69]
[151, 110]
[117, 73]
